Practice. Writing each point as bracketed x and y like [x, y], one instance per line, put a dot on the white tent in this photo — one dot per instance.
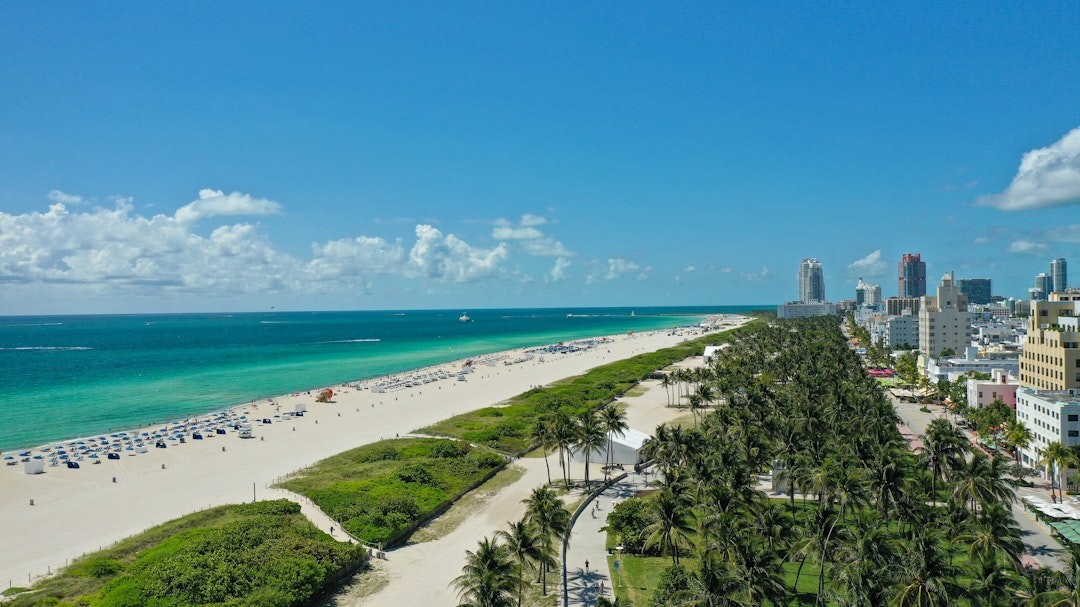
[34, 466]
[625, 449]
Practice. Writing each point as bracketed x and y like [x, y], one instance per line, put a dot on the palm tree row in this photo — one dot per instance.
[587, 434]
[877, 525]
[499, 571]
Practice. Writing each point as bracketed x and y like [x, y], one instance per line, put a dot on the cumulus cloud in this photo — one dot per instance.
[870, 266]
[525, 234]
[214, 203]
[1027, 246]
[1048, 177]
[616, 267]
[116, 250]
[558, 271]
[689, 269]
[62, 198]
[452, 259]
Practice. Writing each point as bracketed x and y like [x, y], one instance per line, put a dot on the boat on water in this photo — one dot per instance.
[464, 317]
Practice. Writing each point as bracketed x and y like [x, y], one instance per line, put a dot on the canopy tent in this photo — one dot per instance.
[625, 449]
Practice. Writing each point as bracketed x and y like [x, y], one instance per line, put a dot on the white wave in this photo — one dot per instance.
[351, 341]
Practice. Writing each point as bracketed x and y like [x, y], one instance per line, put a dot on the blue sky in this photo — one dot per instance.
[235, 156]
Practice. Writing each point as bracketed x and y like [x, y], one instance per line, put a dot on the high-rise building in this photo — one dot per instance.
[1044, 285]
[1051, 358]
[811, 281]
[912, 274]
[1058, 274]
[944, 322]
[977, 290]
[867, 294]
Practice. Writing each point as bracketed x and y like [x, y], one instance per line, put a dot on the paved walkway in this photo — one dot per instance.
[589, 543]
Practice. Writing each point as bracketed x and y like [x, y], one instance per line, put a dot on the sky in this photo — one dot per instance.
[232, 156]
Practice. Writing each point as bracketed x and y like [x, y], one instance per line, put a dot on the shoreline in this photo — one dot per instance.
[300, 387]
[79, 511]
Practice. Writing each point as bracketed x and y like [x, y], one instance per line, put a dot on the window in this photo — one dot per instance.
[1074, 433]
[1073, 417]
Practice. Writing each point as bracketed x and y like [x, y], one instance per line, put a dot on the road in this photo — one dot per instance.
[1041, 549]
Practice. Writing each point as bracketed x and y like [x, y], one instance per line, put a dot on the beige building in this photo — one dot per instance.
[1051, 358]
[944, 322]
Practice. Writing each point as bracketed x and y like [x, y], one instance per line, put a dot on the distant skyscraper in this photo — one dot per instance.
[1044, 285]
[867, 294]
[912, 273]
[1058, 274]
[977, 290]
[811, 281]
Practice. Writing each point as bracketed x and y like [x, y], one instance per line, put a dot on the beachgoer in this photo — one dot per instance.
[586, 565]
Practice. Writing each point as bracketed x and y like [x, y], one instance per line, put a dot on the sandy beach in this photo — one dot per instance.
[76, 511]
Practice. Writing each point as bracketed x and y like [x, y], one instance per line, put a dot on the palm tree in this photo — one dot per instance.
[983, 480]
[995, 531]
[1067, 585]
[1018, 436]
[563, 433]
[589, 439]
[712, 585]
[523, 544]
[943, 450]
[551, 522]
[614, 424]
[544, 436]
[1056, 457]
[488, 578]
[926, 577]
[672, 525]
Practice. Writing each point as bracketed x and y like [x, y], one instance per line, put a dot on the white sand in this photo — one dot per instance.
[78, 511]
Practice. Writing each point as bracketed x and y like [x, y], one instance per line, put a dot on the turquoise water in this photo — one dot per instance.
[68, 376]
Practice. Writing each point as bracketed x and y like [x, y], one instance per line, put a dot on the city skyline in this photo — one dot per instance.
[159, 158]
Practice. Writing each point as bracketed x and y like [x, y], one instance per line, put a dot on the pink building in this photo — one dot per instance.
[1001, 386]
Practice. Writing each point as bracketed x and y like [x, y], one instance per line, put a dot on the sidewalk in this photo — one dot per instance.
[588, 543]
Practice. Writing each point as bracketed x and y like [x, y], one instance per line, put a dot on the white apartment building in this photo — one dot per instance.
[944, 322]
[902, 330]
[1052, 416]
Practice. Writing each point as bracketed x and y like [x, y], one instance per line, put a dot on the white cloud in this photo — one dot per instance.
[214, 203]
[452, 259]
[1027, 246]
[689, 269]
[62, 198]
[532, 240]
[762, 275]
[981, 240]
[870, 266]
[615, 268]
[117, 251]
[1047, 177]
[558, 271]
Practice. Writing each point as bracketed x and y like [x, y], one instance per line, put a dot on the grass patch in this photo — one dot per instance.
[510, 430]
[379, 492]
[265, 553]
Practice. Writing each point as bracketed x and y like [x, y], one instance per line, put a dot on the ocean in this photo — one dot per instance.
[63, 377]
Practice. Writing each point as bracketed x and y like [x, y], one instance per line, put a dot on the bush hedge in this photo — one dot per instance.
[378, 491]
[264, 553]
[508, 428]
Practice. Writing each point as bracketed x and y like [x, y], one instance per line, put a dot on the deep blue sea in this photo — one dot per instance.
[68, 376]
